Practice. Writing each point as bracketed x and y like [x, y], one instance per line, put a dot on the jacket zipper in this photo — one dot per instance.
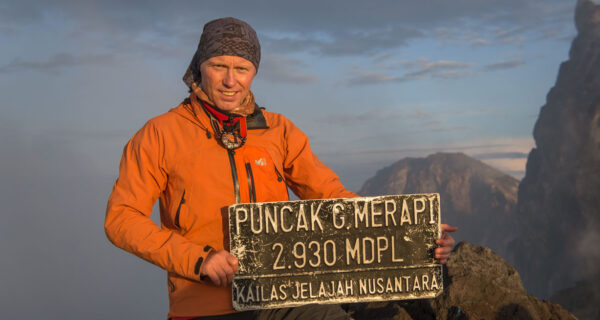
[251, 190]
[234, 176]
[179, 210]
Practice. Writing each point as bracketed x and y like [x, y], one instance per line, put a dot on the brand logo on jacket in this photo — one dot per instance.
[261, 162]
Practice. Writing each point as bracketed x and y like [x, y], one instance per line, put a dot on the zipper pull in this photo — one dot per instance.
[279, 177]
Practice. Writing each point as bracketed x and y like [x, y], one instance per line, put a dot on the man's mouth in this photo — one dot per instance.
[228, 93]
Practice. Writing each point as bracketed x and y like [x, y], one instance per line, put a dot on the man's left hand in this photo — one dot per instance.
[445, 243]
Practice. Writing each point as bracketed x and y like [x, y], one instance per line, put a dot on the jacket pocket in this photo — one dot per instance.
[178, 212]
[264, 181]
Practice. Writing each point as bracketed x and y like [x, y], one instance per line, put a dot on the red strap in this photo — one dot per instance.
[223, 117]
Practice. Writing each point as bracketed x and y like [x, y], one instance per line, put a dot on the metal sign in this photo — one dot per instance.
[335, 250]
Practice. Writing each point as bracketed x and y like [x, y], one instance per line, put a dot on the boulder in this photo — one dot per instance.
[478, 284]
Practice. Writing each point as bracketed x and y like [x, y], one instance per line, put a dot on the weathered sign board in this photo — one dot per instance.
[335, 250]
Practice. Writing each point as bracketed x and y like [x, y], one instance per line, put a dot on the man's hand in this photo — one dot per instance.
[445, 243]
[220, 266]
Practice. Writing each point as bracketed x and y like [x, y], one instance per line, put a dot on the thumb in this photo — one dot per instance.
[233, 263]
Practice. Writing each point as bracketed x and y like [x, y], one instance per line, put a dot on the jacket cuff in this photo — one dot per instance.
[200, 261]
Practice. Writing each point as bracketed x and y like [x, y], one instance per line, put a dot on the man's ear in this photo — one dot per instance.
[196, 86]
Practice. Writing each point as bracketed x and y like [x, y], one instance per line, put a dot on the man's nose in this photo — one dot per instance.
[229, 80]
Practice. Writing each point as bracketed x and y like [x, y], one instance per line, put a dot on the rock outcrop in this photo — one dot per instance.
[479, 284]
[474, 196]
[559, 197]
[582, 299]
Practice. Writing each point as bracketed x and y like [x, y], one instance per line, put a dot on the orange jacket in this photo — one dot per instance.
[174, 158]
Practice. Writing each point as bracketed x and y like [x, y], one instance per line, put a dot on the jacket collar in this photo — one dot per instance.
[256, 120]
[192, 110]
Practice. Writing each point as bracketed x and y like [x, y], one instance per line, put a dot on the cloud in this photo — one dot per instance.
[514, 167]
[425, 66]
[367, 41]
[418, 69]
[52, 236]
[511, 162]
[468, 147]
[56, 62]
[368, 117]
[478, 42]
[9, 31]
[553, 33]
[352, 119]
[503, 65]
[506, 154]
[311, 26]
[88, 135]
[500, 155]
[378, 116]
[498, 146]
[276, 68]
[458, 35]
[364, 77]
[510, 23]
[512, 35]
[344, 42]
[586, 249]
[441, 69]
[19, 12]
[436, 127]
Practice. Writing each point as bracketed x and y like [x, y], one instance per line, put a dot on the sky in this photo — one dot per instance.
[370, 82]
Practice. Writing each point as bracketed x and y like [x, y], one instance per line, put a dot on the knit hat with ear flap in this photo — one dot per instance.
[223, 37]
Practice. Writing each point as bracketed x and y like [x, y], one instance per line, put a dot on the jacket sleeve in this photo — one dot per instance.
[142, 178]
[307, 176]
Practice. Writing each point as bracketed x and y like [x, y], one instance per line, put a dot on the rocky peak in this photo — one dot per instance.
[473, 195]
[558, 197]
[587, 15]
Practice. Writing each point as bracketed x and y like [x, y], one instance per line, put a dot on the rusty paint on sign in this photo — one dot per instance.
[335, 250]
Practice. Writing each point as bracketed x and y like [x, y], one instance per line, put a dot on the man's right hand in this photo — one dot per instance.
[220, 266]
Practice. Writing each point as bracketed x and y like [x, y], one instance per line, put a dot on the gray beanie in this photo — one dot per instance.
[223, 37]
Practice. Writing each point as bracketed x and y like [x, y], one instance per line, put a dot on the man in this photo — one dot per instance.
[215, 149]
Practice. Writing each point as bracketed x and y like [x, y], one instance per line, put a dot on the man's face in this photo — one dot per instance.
[226, 80]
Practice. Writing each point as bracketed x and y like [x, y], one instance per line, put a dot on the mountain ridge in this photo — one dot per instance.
[472, 193]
